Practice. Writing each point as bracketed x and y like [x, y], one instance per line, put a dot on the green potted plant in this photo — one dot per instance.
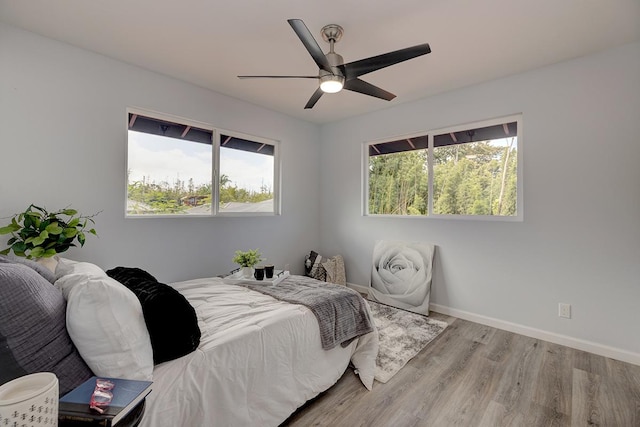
[246, 260]
[37, 233]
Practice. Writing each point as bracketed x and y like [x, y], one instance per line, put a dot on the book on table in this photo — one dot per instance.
[127, 394]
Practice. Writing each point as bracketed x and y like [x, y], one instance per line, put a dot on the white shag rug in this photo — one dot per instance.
[402, 335]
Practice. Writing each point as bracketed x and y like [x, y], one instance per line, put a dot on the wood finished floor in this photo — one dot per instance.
[476, 375]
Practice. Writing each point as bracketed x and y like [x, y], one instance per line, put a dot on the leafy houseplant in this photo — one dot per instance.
[248, 258]
[37, 233]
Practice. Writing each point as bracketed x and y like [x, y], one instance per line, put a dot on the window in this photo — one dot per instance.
[398, 177]
[466, 171]
[176, 167]
[247, 172]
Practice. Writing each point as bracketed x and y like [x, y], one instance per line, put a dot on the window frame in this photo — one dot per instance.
[215, 166]
[518, 217]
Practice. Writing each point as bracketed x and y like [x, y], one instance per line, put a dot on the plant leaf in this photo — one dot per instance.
[49, 253]
[37, 241]
[70, 212]
[81, 238]
[64, 247]
[19, 247]
[70, 232]
[5, 252]
[36, 252]
[9, 228]
[54, 228]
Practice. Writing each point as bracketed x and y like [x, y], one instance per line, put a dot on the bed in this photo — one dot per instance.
[257, 360]
[262, 359]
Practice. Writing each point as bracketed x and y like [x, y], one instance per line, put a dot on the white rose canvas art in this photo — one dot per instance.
[401, 274]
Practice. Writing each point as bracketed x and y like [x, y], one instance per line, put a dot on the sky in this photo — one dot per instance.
[504, 142]
[166, 159]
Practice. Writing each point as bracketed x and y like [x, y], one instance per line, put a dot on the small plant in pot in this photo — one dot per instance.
[37, 233]
[246, 260]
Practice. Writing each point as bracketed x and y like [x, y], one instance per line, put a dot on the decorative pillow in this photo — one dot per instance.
[33, 337]
[66, 267]
[105, 321]
[171, 320]
[39, 268]
[313, 266]
[334, 269]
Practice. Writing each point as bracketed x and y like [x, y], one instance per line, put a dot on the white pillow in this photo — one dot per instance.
[105, 322]
[66, 266]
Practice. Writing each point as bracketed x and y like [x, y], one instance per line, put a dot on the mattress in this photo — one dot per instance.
[259, 359]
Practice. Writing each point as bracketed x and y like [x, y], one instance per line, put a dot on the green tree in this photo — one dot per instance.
[398, 183]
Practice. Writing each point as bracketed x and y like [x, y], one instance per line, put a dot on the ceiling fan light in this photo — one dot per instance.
[331, 84]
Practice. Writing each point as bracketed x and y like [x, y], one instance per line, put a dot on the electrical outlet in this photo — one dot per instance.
[564, 310]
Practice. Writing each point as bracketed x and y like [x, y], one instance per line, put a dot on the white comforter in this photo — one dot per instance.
[259, 359]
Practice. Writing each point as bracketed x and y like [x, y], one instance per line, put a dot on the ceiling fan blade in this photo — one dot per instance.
[360, 86]
[278, 77]
[310, 43]
[364, 66]
[314, 98]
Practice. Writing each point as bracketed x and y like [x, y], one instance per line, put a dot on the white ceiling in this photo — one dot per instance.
[209, 43]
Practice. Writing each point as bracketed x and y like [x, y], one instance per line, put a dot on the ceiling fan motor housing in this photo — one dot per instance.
[334, 81]
[335, 60]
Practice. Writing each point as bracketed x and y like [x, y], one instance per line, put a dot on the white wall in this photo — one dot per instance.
[63, 142]
[579, 242]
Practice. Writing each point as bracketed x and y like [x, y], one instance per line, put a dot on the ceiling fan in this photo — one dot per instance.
[334, 75]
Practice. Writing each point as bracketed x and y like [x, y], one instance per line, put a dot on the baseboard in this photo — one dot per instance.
[359, 288]
[579, 344]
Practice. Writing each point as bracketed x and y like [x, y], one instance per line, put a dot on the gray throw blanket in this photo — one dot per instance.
[341, 312]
